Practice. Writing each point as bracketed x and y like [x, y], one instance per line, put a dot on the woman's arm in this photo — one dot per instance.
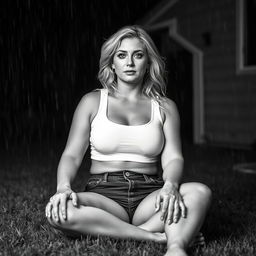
[172, 165]
[171, 158]
[77, 144]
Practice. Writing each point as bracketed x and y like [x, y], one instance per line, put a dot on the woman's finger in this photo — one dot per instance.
[164, 207]
[73, 197]
[183, 209]
[63, 206]
[55, 209]
[170, 209]
[176, 211]
[157, 203]
[48, 210]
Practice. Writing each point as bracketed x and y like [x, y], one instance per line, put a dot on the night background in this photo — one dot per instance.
[49, 60]
[49, 55]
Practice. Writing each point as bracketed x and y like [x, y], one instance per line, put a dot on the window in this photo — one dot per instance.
[246, 36]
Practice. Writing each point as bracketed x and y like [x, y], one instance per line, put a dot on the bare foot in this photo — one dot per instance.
[175, 250]
[198, 240]
[160, 237]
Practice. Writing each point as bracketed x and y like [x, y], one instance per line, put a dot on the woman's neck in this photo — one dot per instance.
[128, 92]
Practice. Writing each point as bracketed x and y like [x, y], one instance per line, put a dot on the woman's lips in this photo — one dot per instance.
[130, 72]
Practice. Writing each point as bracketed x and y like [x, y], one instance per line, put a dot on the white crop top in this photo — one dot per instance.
[111, 141]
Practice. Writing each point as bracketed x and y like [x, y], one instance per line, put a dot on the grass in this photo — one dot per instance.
[28, 179]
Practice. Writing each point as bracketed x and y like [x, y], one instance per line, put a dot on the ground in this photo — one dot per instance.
[28, 179]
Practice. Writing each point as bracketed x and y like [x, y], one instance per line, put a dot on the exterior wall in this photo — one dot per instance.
[230, 99]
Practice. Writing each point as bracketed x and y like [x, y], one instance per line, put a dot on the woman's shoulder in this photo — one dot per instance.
[89, 103]
[168, 104]
[91, 99]
[169, 108]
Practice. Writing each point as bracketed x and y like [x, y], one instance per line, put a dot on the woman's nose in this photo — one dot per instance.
[130, 61]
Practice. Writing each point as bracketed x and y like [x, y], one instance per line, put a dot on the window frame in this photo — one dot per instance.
[241, 68]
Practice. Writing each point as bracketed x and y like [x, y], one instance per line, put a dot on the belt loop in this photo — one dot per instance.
[105, 177]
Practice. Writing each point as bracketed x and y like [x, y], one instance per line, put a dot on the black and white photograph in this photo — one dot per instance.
[128, 127]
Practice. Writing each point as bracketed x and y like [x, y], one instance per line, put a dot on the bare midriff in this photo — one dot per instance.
[98, 167]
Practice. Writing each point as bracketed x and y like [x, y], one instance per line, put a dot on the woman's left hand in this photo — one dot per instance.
[172, 207]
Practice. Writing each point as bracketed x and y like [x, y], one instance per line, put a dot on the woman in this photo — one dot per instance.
[130, 125]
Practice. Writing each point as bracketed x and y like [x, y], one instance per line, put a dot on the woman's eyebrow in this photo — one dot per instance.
[139, 50]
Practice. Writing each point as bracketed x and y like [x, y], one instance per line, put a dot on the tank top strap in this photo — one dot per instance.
[156, 111]
[103, 102]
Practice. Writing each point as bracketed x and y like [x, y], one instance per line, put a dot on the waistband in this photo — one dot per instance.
[124, 175]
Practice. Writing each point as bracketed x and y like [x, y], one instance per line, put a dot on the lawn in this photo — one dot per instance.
[28, 179]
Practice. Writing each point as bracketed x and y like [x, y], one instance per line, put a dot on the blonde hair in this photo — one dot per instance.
[154, 83]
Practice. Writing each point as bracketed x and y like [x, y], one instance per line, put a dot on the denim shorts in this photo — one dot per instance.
[127, 188]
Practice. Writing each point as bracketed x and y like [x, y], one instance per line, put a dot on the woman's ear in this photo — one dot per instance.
[113, 66]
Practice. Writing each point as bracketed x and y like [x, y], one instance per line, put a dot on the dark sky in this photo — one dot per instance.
[50, 54]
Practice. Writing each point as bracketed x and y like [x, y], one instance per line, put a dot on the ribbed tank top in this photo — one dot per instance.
[111, 141]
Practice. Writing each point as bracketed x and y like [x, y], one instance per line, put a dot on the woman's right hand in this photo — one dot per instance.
[57, 204]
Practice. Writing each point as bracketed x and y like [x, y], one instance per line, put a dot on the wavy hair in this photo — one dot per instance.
[154, 82]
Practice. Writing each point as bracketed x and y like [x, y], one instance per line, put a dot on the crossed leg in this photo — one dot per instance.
[197, 199]
[99, 215]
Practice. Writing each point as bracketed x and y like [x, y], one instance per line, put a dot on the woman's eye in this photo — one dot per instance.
[139, 55]
[121, 55]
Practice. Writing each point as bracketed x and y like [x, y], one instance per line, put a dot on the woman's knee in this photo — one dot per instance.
[199, 192]
[62, 223]
[204, 191]
[203, 194]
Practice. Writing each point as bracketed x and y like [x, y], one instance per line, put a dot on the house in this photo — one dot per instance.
[210, 51]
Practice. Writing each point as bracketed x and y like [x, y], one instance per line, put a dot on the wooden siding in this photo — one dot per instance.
[230, 99]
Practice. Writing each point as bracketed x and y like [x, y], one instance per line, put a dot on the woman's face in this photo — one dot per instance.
[130, 61]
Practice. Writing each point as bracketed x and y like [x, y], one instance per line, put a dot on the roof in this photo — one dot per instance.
[156, 12]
